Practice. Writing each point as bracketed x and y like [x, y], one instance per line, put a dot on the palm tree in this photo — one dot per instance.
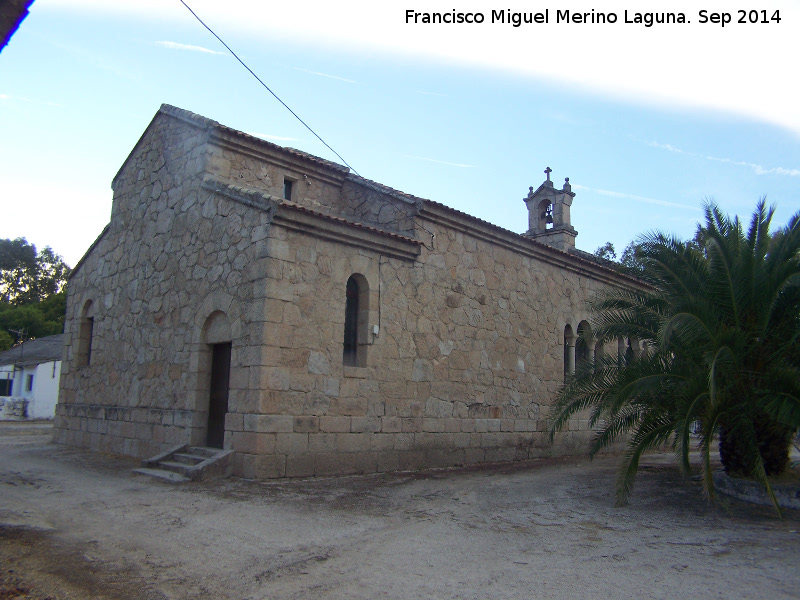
[721, 323]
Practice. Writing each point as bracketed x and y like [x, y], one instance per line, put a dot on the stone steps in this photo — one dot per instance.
[166, 476]
[188, 463]
[189, 458]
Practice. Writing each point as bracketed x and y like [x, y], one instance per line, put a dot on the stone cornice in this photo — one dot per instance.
[242, 143]
[320, 225]
[334, 229]
[248, 196]
[483, 230]
[224, 133]
[383, 189]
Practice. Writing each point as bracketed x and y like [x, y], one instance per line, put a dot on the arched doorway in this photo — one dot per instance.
[217, 336]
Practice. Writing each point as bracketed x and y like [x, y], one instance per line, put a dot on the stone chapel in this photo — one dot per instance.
[260, 299]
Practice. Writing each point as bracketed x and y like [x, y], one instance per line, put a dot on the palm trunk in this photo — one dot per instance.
[774, 442]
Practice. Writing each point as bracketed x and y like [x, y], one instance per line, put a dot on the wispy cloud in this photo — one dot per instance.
[441, 162]
[278, 138]
[756, 168]
[318, 74]
[189, 47]
[28, 100]
[424, 93]
[668, 147]
[625, 196]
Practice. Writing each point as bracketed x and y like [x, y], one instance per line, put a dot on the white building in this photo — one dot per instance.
[29, 375]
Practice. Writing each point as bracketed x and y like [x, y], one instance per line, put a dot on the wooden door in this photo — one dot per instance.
[218, 401]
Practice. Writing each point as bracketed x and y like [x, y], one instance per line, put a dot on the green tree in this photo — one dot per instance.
[32, 291]
[27, 275]
[17, 270]
[23, 322]
[631, 258]
[37, 319]
[51, 274]
[721, 323]
[606, 251]
[6, 341]
[53, 308]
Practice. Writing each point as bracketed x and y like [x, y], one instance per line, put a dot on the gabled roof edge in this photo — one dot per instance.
[180, 114]
[88, 251]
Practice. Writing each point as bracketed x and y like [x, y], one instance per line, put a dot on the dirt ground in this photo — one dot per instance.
[78, 525]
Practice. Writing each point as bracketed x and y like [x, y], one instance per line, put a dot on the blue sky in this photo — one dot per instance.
[646, 122]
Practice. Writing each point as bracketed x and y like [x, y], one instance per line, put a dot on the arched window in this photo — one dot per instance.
[599, 351]
[584, 346]
[83, 357]
[630, 353]
[569, 351]
[356, 321]
[546, 215]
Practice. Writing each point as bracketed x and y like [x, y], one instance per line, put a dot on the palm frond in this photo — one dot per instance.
[721, 320]
[651, 435]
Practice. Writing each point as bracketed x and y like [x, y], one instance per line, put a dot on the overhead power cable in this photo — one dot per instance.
[296, 116]
[266, 87]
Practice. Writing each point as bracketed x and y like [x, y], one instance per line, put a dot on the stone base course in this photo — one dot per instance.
[275, 449]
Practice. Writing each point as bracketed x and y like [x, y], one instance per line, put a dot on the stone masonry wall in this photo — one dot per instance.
[362, 201]
[469, 349]
[317, 185]
[468, 358]
[254, 164]
[172, 254]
